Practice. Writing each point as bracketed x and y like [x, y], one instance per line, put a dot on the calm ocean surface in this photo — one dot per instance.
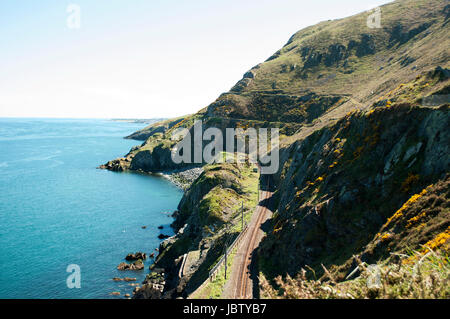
[57, 209]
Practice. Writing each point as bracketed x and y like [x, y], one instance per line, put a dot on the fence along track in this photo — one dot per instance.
[215, 269]
[213, 272]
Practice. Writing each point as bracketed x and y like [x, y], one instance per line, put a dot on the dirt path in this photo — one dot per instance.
[240, 285]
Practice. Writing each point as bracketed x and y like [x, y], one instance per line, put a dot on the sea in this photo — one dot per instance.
[58, 210]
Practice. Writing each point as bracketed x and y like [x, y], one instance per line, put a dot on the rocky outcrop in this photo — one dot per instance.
[336, 55]
[245, 81]
[137, 265]
[136, 256]
[152, 287]
[156, 160]
[400, 36]
[117, 165]
[124, 279]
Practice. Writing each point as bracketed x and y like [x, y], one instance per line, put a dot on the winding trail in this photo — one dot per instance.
[240, 285]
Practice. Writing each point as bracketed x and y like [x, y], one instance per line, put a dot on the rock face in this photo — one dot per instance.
[337, 187]
[156, 160]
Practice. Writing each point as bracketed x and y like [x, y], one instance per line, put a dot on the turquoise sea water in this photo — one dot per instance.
[57, 209]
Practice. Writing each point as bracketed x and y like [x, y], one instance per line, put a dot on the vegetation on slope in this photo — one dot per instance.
[426, 277]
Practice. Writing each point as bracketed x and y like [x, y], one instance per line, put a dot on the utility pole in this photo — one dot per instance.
[242, 214]
[226, 249]
[258, 190]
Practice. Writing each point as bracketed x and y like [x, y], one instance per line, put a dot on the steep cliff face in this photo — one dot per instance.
[338, 186]
[407, 258]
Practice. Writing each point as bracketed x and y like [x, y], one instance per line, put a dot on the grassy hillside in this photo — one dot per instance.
[342, 64]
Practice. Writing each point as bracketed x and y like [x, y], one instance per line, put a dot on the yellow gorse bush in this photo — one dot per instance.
[436, 243]
[386, 237]
[415, 219]
[439, 240]
[405, 206]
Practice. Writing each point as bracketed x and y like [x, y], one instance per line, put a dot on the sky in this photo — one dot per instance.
[141, 58]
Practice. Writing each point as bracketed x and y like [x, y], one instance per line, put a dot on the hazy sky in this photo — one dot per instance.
[141, 59]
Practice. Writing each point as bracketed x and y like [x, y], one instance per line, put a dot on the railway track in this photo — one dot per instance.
[244, 283]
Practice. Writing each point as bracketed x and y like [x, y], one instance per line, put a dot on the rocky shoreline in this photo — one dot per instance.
[183, 178]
